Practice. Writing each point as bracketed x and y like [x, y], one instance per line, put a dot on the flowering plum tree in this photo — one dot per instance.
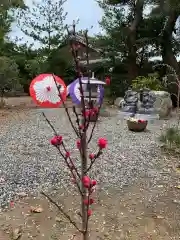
[80, 177]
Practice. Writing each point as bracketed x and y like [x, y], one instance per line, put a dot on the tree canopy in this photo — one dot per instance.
[135, 34]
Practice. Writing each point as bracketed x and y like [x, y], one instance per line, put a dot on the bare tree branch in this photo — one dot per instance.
[62, 211]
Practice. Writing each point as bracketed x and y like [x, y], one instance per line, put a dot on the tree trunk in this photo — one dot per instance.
[168, 55]
[131, 40]
[2, 102]
[83, 189]
[132, 56]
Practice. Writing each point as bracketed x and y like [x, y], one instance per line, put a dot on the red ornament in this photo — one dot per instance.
[56, 140]
[91, 156]
[102, 143]
[108, 80]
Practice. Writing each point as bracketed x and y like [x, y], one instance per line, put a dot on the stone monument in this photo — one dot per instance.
[147, 103]
[130, 102]
[147, 99]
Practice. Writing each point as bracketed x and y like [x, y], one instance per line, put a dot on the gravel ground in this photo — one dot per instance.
[28, 162]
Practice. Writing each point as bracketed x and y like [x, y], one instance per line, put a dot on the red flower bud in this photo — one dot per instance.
[102, 143]
[78, 143]
[56, 140]
[108, 80]
[91, 156]
[67, 154]
[96, 110]
[86, 202]
[87, 113]
[81, 126]
[89, 212]
[86, 181]
[91, 201]
[93, 182]
[11, 204]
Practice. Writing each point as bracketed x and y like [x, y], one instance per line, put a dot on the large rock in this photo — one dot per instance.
[119, 102]
[163, 104]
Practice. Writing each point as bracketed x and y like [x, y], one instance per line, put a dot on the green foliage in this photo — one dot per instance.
[9, 74]
[171, 138]
[12, 3]
[35, 66]
[152, 82]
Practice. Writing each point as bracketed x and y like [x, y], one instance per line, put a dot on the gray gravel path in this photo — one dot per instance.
[28, 162]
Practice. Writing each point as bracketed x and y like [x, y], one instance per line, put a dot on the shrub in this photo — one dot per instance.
[171, 138]
[9, 76]
[152, 82]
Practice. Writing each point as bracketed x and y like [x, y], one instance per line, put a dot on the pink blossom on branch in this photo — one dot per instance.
[78, 144]
[86, 182]
[81, 126]
[89, 212]
[88, 202]
[91, 201]
[91, 156]
[102, 143]
[93, 182]
[68, 154]
[56, 140]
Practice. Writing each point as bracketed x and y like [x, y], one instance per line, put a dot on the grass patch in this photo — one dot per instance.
[171, 139]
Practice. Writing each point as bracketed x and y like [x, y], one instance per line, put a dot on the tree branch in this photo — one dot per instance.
[59, 150]
[76, 170]
[94, 124]
[93, 161]
[66, 109]
[62, 211]
[47, 120]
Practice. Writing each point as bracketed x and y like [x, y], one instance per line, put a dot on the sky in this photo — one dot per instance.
[87, 11]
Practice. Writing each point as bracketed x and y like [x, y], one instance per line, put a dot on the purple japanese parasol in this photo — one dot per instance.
[75, 92]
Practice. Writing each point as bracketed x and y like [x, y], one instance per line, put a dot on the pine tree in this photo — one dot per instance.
[44, 22]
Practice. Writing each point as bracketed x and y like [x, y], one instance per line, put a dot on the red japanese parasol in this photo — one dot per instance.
[45, 88]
